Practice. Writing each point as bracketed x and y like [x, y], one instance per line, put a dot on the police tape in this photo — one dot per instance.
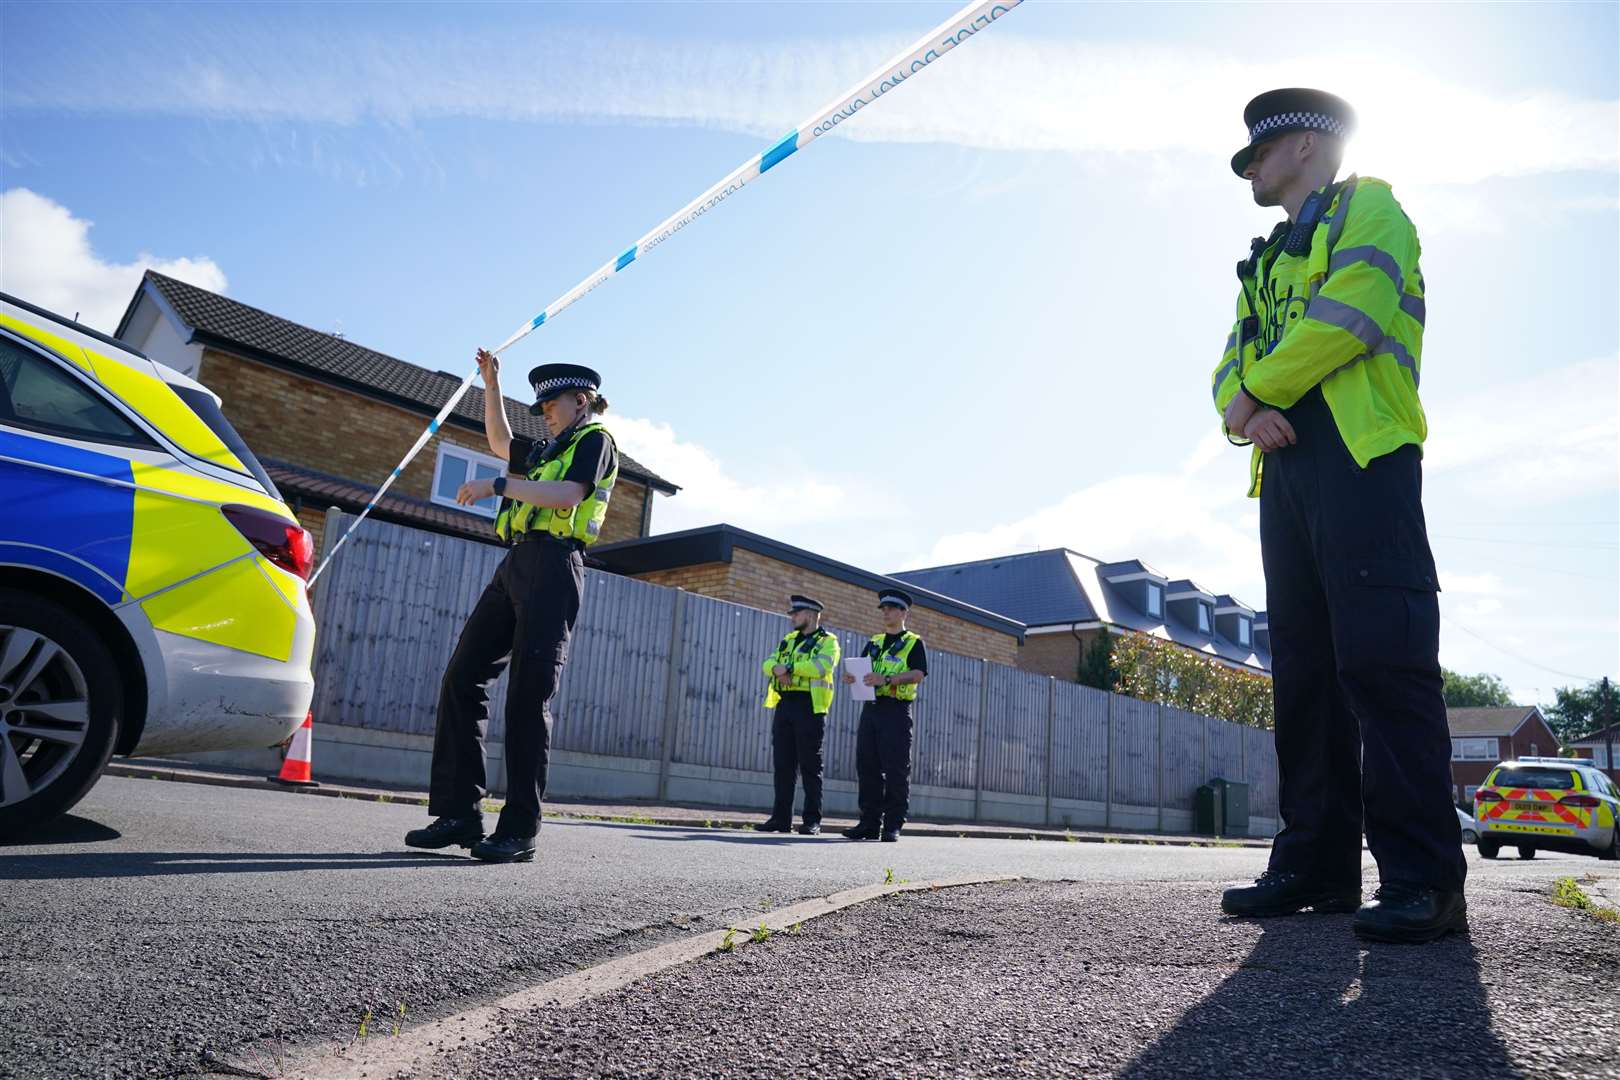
[935, 44]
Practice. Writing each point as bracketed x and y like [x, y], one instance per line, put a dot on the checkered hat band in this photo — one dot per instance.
[565, 382]
[1313, 120]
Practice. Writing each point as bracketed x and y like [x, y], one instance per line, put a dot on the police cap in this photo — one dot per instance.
[804, 603]
[895, 598]
[1278, 112]
[554, 380]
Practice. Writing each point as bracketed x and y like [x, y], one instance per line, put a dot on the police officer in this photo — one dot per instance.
[883, 740]
[800, 689]
[1321, 376]
[551, 507]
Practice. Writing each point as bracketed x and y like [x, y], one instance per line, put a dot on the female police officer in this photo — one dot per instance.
[551, 509]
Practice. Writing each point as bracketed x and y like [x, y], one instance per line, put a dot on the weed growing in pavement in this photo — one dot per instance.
[365, 1018]
[729, 942]
[761, 933]
[491, 806]
[1069, 837]
[1566, 893]
[399, 1020]
[1227, 843]
[888, 875]
[796, 929]
[384, 797]
[1112, 840]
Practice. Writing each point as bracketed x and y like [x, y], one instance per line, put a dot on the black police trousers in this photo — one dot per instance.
[523, 619]
[1361, 734]
[797, 731]
[883, 762]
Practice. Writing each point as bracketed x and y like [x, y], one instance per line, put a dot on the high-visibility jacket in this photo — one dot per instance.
[813, 658]
[895, 660]
[582, 522]
[1348, 315]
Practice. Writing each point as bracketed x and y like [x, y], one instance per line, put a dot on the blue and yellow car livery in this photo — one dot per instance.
[126, 497]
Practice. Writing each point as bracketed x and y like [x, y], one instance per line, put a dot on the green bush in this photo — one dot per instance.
[1151, 669]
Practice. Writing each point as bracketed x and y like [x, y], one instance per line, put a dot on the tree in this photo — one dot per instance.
[1097, 662]
[1579, 710]
[1481, 691]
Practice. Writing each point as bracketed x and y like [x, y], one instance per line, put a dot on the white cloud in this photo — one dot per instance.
[46, 259]
[1194, 522]
[710, 494]
[1002, 91]
[1551, 436]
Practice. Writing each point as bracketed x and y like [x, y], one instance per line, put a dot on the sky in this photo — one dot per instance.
[978, 319]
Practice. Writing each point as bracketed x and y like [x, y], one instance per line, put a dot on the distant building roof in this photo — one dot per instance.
[1595, 738]
[1489, 722]
[1059, 587]
[230, 324]
[321, 490]
[715, 543]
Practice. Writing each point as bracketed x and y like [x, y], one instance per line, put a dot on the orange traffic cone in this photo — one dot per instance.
[296, 766]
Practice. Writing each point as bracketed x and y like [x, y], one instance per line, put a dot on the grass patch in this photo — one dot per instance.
[729, 942]
[759, 934]
[1568, 893]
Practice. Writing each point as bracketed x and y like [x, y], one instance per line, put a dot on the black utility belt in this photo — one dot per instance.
[541, 537]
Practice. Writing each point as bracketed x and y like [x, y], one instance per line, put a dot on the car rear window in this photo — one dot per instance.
[203, 404]
[1531, 777]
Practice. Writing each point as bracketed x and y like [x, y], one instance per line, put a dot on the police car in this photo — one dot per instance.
[152, 582]
[1548, 804]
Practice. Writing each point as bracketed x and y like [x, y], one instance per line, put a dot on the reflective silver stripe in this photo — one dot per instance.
[1220, 377]
[1372, 256]
[603, 494]
[1415, 307]
[1402, 357]
[1337, 313]
[1231, 340]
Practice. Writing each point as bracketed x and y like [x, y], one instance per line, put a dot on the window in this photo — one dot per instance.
[456, 466]
[1541, 778]
[36, 394]
[1533, 751]
[207, 409]
[1473, 749]
[1155, 601]
[1243, 631]
[1203, 618]
[1468, 792]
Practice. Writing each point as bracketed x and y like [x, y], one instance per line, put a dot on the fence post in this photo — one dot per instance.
[672, 689]
[1051, 730]
[1159, 709]
[1243, 752]
[1206, 750]
[1108, 767]
[978, 757]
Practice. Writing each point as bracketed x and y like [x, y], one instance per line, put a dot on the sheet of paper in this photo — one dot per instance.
[860, 667]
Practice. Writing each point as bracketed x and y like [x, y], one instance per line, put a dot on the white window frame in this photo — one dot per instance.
[471, 458]
[1205, 623]
[1245, 635]
[1155, 600]
[1468, 793]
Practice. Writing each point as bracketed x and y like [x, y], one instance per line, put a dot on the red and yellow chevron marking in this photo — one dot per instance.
[1551, 812]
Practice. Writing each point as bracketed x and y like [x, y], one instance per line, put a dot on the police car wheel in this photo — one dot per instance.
[1489, 849]
[1527, 852]
[60, 705]
[1612, 853]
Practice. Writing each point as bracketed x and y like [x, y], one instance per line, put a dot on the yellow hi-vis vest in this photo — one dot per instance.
[813, 658]
[896, 660]
[582, 522]
[1347, 315]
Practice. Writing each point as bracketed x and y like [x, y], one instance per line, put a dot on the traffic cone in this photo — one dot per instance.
[296, 766]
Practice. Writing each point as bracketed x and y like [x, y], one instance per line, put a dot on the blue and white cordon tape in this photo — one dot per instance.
[941, 40]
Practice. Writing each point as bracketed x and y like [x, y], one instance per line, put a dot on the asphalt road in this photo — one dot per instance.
[1137, 982]
[168, 923]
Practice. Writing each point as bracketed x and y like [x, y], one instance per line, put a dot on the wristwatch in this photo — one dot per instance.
[500, 487]
[888, 680]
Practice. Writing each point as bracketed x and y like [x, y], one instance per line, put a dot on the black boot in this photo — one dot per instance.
[862, 830]
[773, 825]
[1282, 892]
[502, 848]
[1411, 914]
[810, 828]
[463, 832]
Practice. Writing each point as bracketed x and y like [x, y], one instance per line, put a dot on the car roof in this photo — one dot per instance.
[60, 323]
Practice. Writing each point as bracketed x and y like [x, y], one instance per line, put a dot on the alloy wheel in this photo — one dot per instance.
[44, 712]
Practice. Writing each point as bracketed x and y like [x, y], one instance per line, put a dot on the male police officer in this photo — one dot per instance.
[1321, 376]
[800, 689]
[883, 740]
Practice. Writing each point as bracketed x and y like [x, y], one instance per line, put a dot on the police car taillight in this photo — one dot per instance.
[1587, 802]
[288, 546]
[1487, 796]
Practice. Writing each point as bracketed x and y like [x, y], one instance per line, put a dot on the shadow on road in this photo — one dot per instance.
[68, 829]
[1311, 992]
[116, 864]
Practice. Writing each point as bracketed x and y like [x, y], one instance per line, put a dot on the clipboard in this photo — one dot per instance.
[860, 666]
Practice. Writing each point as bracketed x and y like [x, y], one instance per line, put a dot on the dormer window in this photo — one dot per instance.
[1155, 600]
[1243, 632]
[1203, 618]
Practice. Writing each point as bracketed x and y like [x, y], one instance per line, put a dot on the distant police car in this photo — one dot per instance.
[1548, 804]
[152, 595]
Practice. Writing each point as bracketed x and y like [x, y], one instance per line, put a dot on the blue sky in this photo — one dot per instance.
[980, 319]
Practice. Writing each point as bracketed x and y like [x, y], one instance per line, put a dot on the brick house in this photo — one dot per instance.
[1065, 599]
[329, 418]
[1602, 747]
[733, 564]
[1480, 738]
